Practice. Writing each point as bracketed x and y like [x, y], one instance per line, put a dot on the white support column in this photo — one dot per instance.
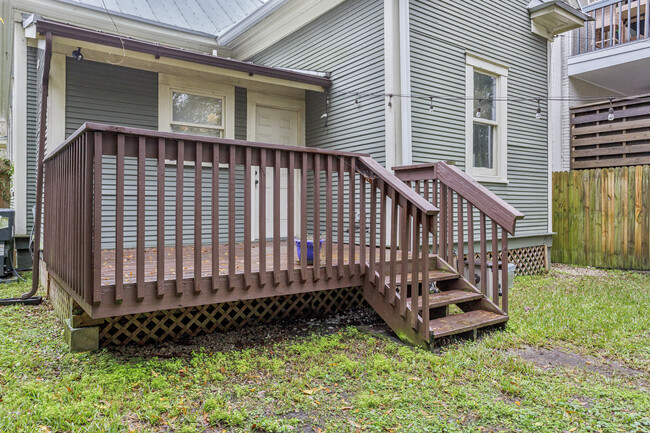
[405, 80]
[56, 103]
[392, 83]
[18, 128]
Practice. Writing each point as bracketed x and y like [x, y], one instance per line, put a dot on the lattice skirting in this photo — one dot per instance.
[173, 324]
[529, 260]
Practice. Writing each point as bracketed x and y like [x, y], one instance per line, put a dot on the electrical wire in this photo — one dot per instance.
[118, 35]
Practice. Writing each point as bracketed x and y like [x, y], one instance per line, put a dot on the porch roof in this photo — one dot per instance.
[72, 32]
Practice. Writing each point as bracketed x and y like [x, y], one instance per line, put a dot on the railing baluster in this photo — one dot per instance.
[262, 218]
[404, 241]
[340, 237]
[373, 230]
[471, 255]
[382, 237]
[97, 219]
[290, 218]
[316, 273]
[415, 279]
[119, 220]
[483, 254]
[352, 197]
[215, 218]
[231, 217]
[424, 331]
[276, 217]
[362, 223]
[504, 270]
[88, 221]
[442, 237]
[180, 167]
[139, 276]
[450, 227]
[461, 239]
[303, 219]
[393, 246]
[247, 217]
[495, 262]
[328, 219]
[198, 217]
[160, 234]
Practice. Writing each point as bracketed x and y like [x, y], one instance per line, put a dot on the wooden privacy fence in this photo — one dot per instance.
[598, 142]
[602, 217]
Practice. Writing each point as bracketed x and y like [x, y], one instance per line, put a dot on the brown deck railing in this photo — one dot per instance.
[597, 142]
[130, 227]
[465, 208]
[614, 22]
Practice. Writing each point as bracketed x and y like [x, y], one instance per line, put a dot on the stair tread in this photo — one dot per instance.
[435, 275]
[448, 297]
[464, 322]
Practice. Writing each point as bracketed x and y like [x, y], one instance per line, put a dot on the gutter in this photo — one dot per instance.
[78, 33]
[238, 29]
[42, 128]
[405, 81]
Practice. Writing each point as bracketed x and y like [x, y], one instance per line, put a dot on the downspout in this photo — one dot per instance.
[45, 84]
[405, 81]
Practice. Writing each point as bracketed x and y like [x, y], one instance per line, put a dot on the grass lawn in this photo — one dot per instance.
[574, 357]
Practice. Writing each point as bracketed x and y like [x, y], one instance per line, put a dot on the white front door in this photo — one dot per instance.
[276, 126]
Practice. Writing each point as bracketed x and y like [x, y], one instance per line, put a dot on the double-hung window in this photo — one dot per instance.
[487, 123]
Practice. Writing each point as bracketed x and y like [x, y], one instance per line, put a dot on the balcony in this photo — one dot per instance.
[612, 50]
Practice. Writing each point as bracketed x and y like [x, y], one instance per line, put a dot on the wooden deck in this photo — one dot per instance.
[151, 263]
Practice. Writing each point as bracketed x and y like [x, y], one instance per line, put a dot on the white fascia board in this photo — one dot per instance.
[238, 29]
[98, 20]
[281, 21]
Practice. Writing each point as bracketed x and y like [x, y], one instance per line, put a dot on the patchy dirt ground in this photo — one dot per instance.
[563, 358]
[576, 271]
[259, 335]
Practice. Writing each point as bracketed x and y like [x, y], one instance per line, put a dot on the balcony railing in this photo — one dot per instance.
[614, 22]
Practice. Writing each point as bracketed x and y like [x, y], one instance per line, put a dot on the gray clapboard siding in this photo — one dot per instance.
[123, 96]
[31, 127]
[348, 43]
[241, 110]
[442, 32]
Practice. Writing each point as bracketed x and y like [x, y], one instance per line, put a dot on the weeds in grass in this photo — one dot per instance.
[350, 380]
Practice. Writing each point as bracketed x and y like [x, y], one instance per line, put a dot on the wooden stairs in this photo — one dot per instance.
[447, 288]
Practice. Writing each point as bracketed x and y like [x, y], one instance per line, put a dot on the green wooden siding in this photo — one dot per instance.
[442, 32]
[31, 127]
[129, 97]
[347, 42]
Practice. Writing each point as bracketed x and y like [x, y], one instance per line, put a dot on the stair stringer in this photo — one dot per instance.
[390, 313]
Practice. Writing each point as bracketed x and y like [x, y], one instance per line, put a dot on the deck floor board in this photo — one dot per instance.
[150, 261]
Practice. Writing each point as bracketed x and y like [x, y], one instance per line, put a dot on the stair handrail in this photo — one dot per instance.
[458, 215]
[479, 196]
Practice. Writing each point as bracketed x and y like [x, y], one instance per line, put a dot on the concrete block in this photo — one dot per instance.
[80, 339]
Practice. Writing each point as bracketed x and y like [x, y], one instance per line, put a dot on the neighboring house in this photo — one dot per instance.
[609, 57]
[395, 79]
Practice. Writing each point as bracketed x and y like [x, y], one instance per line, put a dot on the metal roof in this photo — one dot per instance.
[208, 17]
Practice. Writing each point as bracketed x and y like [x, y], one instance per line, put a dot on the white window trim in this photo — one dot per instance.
[499, 173]
[169, 83]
